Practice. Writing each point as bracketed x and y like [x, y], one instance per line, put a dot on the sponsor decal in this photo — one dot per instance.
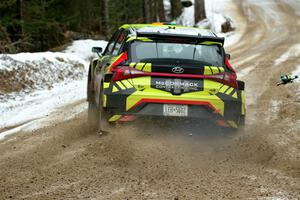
[177, 86]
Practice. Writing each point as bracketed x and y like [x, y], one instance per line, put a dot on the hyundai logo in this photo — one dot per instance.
[177, 70]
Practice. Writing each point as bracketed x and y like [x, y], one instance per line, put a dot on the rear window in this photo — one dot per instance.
[210, 54]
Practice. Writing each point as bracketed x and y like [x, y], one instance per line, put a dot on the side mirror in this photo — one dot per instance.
[97, 50]
[186, 3]
[228, 56]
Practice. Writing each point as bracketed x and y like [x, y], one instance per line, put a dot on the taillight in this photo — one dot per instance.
[122, 58]
[230, 79]
[229, 65]
[227, 78]
[124, 72]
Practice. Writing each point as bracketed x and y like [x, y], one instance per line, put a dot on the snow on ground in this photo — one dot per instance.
[294, 5]
[187, 16]
[297, 81]
[82, 48]
[297, 72]
[26, 72]
[216, 11]
[293, 52]
[245, 72]
[30, 109]
[49, 80]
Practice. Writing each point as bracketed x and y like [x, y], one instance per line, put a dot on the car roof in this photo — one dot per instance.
[168, 29]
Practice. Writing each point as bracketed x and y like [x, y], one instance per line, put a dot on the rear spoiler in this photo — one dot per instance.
[196, 38]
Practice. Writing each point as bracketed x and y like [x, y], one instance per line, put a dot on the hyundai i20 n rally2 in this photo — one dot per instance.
[167, 71]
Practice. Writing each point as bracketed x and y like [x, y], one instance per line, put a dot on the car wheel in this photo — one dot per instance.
[92, 105]
[242, 120]
[102, 114]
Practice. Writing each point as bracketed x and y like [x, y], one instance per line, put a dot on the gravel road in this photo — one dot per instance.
[171, 160]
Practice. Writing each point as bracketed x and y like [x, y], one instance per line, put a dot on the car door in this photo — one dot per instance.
[103, 62]
[112, 51]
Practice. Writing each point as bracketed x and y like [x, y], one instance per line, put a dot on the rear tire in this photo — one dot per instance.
[242, 121]
[92, 105]
[92, 113]
[102, 114]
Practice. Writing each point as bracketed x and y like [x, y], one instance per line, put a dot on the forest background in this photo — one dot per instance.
[40, 25]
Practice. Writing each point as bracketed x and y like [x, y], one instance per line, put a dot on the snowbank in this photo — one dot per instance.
[34, 84]
[26, 72]
[187, 17]
[217, 13]
[38, 104]
[82, 48]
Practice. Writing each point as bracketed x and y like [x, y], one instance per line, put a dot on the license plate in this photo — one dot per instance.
[175, 110]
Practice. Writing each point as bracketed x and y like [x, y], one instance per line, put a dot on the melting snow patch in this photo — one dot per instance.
[297, 72]
[273, 109]
[297, 81]
[248, 59]
[245, 71]
[293, 52]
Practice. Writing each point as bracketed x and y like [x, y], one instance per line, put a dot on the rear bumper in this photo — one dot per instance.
[154, 107]
[218, 107]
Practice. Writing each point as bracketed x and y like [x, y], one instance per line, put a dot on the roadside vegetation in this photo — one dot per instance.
[39, 25]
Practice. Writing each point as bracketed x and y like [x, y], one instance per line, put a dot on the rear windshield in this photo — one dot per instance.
[209, 54]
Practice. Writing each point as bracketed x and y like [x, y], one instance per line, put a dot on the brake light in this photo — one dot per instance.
[230, 79]
[229, 65]
[124, 72]
[227, 78]
[123, 57]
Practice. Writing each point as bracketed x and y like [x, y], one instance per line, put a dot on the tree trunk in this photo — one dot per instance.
[156, 13]
[161, 9]
[147, 13]
[106, 17]
[199, 10]
[19, 17]
[175, 9]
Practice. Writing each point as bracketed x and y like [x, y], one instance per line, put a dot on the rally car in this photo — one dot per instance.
[167, 71]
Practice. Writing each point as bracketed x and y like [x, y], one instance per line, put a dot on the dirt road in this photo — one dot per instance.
[171, 160]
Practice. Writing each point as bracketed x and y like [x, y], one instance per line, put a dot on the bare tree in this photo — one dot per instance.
[106, 16]
[199, 10]
[147, 11]
[161, 11]
[19, 17]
